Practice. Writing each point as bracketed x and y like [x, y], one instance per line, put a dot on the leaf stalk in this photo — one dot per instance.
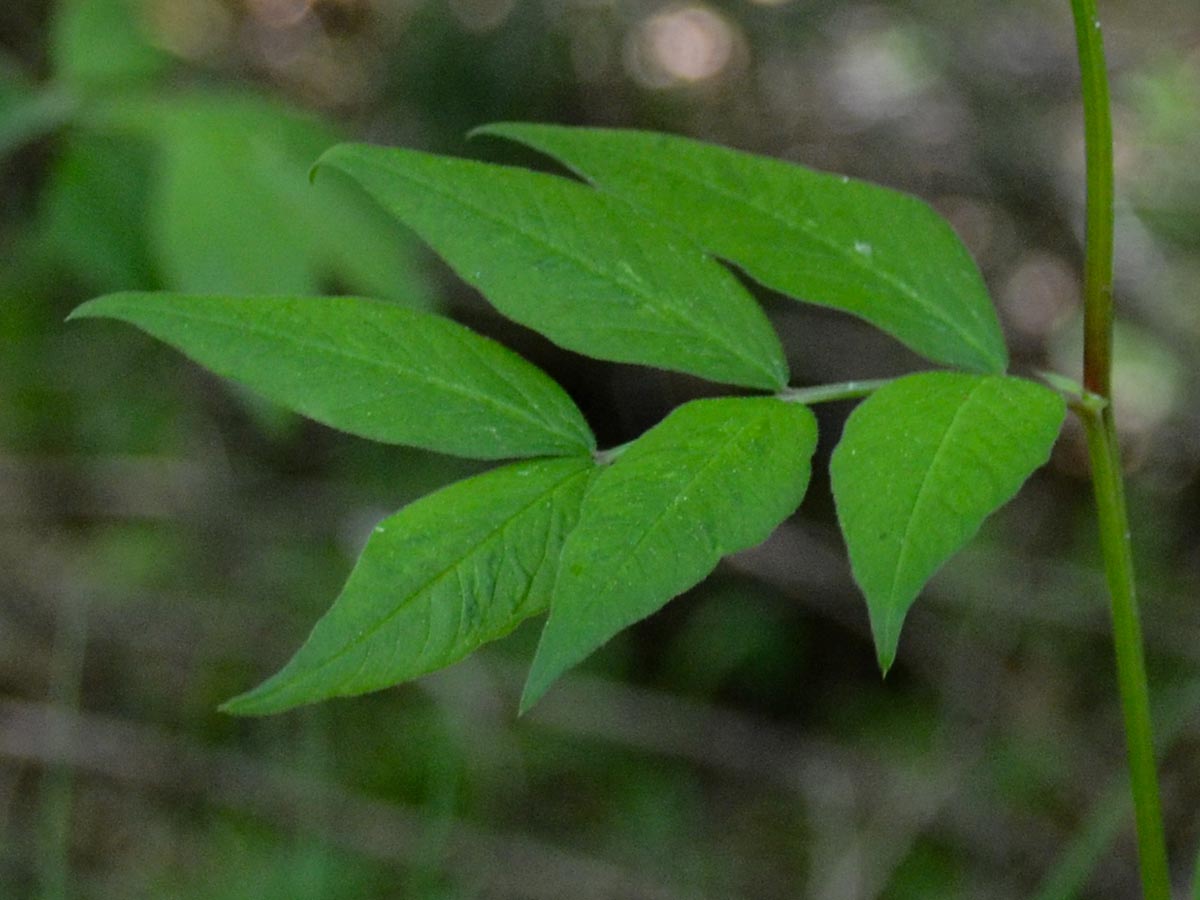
[827, 393]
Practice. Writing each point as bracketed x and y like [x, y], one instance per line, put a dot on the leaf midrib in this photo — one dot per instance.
[919, 500]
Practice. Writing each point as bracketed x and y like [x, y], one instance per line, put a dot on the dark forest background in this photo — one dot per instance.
[167, 539]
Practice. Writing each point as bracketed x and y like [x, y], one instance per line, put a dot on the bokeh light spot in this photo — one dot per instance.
[680, 46]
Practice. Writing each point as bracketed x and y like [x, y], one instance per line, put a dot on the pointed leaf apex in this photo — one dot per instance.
[546, 669]
[262, 700]
[530, 697]
[324, 160]
[97, 308]
[488, 129]
[241, 705]
[885, 631]
[886, 659]
[230, 707]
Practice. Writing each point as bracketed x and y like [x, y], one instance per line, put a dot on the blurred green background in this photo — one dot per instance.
[167, 539]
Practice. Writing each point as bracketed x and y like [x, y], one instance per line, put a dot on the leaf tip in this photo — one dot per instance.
[526, 704]
[328, 158]
[885, 630]
[252, 704]
[80, 312]
[263, 700]
[537, 684]
[549, 663]
[101, 307]
[238, 706]
[321, 162]
[886, 661]
[489, 129]
[992, 358]
[507, 130]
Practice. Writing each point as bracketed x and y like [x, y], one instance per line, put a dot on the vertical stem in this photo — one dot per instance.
[1105, 455]
[1098, 263]
[57, 789]
[1127, 641]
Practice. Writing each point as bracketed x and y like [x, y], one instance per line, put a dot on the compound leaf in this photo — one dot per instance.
[444, 575]
[883, 256]
[371, 368]
[576, 265]
[714, 477]
[921, 463]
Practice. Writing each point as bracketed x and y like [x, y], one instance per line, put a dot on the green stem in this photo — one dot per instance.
[1105, 455]
[1108, 816]
[57, 790]
[1127, 641]
[826, 393]
[605, 457]
[822, 393]
[1098, 262]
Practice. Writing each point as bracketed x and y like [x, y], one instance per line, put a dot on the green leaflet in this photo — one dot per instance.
[883, 256]
[576, 265]
[714, 477]
[101, 43]
[921, 463]
[99, 178]
[444, 575]
[231, 210]
[368, 367]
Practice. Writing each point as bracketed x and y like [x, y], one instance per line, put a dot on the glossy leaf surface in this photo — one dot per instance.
[446, 574]
[921, 463]
[368, 367]
[714, 477]
[883, 256]
[576, 265]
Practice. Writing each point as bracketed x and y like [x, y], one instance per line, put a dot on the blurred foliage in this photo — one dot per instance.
[165, 541]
